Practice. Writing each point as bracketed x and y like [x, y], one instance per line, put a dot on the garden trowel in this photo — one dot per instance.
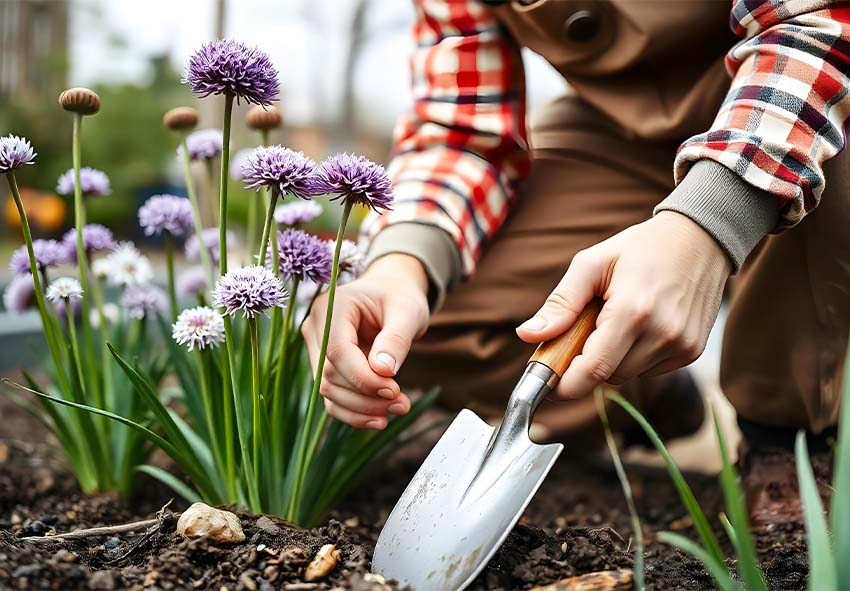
[476, 482]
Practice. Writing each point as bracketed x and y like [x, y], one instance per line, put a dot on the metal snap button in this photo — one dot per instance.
[581, 26]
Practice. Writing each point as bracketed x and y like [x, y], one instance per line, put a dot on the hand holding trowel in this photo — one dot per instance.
[476, 482]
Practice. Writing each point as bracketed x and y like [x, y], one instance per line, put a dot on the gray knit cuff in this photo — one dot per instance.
[434, 248]
[734, 212]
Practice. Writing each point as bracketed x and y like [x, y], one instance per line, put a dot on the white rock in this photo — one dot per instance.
[322, 564]
[200, 520]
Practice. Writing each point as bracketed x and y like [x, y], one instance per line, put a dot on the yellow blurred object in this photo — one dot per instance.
[45, 210]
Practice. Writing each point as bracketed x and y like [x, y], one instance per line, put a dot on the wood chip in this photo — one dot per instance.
[610, 580]
[322, 564]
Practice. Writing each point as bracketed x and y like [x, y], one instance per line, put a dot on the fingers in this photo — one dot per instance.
[361, 411]
[583, 279]
[392, 344]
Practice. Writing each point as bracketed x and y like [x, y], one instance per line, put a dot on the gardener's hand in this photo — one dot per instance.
[662, 282]
[375, 321]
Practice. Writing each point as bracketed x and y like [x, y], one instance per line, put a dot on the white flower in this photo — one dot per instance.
[125, 265]
[199, 327]
[100, 268]
[111, 313]
[64, 289]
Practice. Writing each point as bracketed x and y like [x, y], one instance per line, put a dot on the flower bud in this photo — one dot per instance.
[80, 100]
[181, 118]
[263, 117]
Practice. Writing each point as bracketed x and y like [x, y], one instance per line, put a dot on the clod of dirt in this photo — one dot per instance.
[202, 521]
[323, 563]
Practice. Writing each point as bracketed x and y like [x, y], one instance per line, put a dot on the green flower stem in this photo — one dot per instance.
[106, 357]
[169, 265]
[267, 231]
[212, 427]
[225, 165]
[72, 337]
[257, 435]
[196, 212]
[281, 357]
[50, 328]
[209, 165]
[305, 450]
[227, 413]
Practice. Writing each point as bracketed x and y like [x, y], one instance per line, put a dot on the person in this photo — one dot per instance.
[490, 218]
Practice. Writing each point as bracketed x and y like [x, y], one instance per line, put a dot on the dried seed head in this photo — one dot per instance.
[80, 100]
[263, 117]
[181, 118]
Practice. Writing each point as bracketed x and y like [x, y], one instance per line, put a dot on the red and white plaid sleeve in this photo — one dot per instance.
[786, 111]
[459, 153]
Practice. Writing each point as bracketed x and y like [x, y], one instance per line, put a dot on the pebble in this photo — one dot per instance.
[267, 525]
[200, 520]
[322, 564]
[102, 580]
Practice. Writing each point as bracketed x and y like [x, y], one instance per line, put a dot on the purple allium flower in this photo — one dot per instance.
[251, 290]
[199, 328]
[191, 282]
[96, 238]
[303, 256]
[95, 183]
[19, 294]
[210, 239]
[204, 144]
[64, 289]
[125, 265]
[297, 212]
[48, 253]
[280, 169]
[356, 180]
[166, 213]
[352, 260]
[141, 300]
[226, 66]
[15, 152]
[238, 161]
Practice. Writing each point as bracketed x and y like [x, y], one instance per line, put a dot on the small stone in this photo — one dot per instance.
[151, 578]
[33, 527]
[265, 524]
[65, 556]
[271, 573]
[352, 522]
[247, 582]
[200, 520]
[374, 578]
[102, 579]
[48, 519]
[111, 543]
[322, 564]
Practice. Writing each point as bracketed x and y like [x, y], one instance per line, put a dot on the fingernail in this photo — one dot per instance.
[386, 360]
[534, 324]
[386, 393]
[375, 424]
[397, 408]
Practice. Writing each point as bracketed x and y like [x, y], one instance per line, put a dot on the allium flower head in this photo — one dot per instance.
[125, 265]
[356, 180]
[281, 169]
[191, 282]
[204, 144]
[297, 212]
[210, 238]
[226, 66]
[48, 253]
[19, 294]
[251, 290]
[94, 182]
[64, 289]
[199, 328]
[15, 152]
[141, 300]
[303, 256]
[96, 238]
[352, 260]
[166, 213]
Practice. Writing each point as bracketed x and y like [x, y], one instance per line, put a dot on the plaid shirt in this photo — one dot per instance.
[461, 151]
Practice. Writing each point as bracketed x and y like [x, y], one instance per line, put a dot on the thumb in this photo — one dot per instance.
[392, 344]
[582, 281]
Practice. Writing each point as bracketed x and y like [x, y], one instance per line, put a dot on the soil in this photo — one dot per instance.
[576, 524]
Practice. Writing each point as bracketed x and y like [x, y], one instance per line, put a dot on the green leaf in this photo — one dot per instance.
[840, 511]
[717, 568]
[703, 529]
[822, 567]
[172, 482]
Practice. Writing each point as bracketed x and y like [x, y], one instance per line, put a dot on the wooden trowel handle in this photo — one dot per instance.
[558, 353]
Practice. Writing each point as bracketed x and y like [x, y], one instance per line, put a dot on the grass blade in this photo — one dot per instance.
[822, 570]
[172, 482]
[716, 568]
[840, 512]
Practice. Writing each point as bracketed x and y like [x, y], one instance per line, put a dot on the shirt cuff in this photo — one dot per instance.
[431, 245]
[737, 214]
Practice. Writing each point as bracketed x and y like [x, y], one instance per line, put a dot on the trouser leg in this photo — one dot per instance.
[786, 335]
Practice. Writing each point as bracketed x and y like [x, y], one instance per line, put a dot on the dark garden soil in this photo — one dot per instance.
[576, 524]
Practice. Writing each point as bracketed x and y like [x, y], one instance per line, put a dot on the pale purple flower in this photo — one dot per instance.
[15, 152]
[251, 290]
[166, 213]
[210, 238]
[352, 260]
[141, 300]
[238, 161]
[19, 295]
[303, 256]
[125, 265]
[64, 289]
[230, 67]
[280, 169]
[199, 327]
[307, 290]
[111, 314]
[297, 212]
[191, 282]
[96, 238]
[48, 253]
[356, 180]
[204, 144]
[94, 182]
